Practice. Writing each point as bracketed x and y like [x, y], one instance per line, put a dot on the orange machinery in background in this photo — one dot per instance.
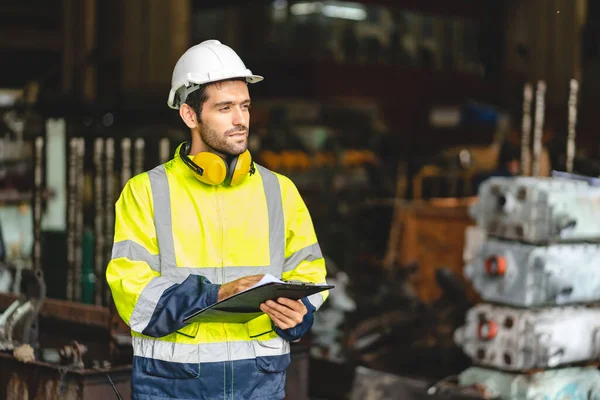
[432, 233]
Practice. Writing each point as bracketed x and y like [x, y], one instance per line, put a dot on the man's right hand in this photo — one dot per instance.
[229, 289]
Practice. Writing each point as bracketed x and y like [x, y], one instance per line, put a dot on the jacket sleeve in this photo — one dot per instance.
[303, 258]
[150, 303]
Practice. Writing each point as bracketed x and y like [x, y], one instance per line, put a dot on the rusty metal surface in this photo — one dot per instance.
[44, 381]
[121, 351]
[19, 322]
[371, 384]
[79, 313]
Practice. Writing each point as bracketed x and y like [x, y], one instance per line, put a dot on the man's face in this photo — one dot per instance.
[225, 118]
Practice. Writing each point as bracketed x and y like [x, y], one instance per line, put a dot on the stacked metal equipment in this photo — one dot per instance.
[85, 279]
[537, 333]
[99, 166]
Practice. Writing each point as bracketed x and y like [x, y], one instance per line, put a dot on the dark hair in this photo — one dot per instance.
[198, 97]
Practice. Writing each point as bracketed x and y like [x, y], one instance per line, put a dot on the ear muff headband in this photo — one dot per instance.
[184, 151]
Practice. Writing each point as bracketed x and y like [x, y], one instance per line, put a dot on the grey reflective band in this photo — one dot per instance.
[135, 252]
[316, 300]
[161, 197]
[208, 352]
[309, 253]
[144, 307]
[276, 222]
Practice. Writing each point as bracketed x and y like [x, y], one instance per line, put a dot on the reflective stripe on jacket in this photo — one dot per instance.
[176, 241]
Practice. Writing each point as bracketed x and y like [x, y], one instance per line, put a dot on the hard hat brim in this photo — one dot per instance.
[250, 78]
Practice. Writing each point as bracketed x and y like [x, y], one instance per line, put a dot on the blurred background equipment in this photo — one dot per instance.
[539, 210]
[530, 338]
[524, 275]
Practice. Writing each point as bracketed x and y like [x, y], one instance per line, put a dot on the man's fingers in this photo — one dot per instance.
[281, 320]
[277, 321]
[282, 313]
[287, 311]
[295, 305]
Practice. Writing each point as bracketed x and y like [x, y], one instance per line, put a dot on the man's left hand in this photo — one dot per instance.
[285, 313]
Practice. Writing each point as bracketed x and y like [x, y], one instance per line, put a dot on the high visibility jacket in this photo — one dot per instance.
[176, 241]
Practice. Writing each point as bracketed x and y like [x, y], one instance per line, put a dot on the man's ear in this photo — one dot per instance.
[188, 115]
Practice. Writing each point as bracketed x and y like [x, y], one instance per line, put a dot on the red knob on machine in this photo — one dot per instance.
[495, 265]
[487, 330]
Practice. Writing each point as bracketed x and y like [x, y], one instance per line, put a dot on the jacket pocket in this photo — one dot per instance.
[190, 330]
[259, 326]
[272, 355]
[170, 360]
[169, 370]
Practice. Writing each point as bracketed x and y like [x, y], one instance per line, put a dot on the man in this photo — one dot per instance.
[200, 228]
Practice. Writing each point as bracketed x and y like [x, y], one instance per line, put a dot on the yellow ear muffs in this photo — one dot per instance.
[213, 166]
[240, 167]
[211, 169]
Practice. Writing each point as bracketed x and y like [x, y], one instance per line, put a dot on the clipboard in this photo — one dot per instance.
[245, 306]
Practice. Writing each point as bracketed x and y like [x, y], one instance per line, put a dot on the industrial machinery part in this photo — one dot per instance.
[525, 339]
[524, 275]
[50, 381]
[538, 127]
[109, 217]
[526, 130]
[125, 160]
[538, 210]
[591, 180]
[138, 156]
[573, 91]
[72, 354]
[79, 217]
[565, 383]
[6, 323]
[71, 216]
[99, 198]
[18, 323]
[371, 384]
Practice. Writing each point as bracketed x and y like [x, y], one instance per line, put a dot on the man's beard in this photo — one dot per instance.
[218, 142]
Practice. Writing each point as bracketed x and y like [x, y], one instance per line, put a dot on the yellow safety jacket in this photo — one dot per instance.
[176, 241]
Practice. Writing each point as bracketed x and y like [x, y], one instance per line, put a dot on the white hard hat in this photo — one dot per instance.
[209, 61]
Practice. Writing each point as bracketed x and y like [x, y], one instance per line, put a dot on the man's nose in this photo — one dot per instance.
[238, 117]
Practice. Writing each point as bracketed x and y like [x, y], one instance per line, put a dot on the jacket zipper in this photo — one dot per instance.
[221, 219]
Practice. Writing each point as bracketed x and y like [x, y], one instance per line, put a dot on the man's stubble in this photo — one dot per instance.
[218, 142]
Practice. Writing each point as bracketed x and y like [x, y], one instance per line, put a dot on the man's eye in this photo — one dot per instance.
[225, 109]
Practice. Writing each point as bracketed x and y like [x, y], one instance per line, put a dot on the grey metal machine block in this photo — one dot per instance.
[538, 210]
[525, 275]
[564, 383]
[515, 339]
